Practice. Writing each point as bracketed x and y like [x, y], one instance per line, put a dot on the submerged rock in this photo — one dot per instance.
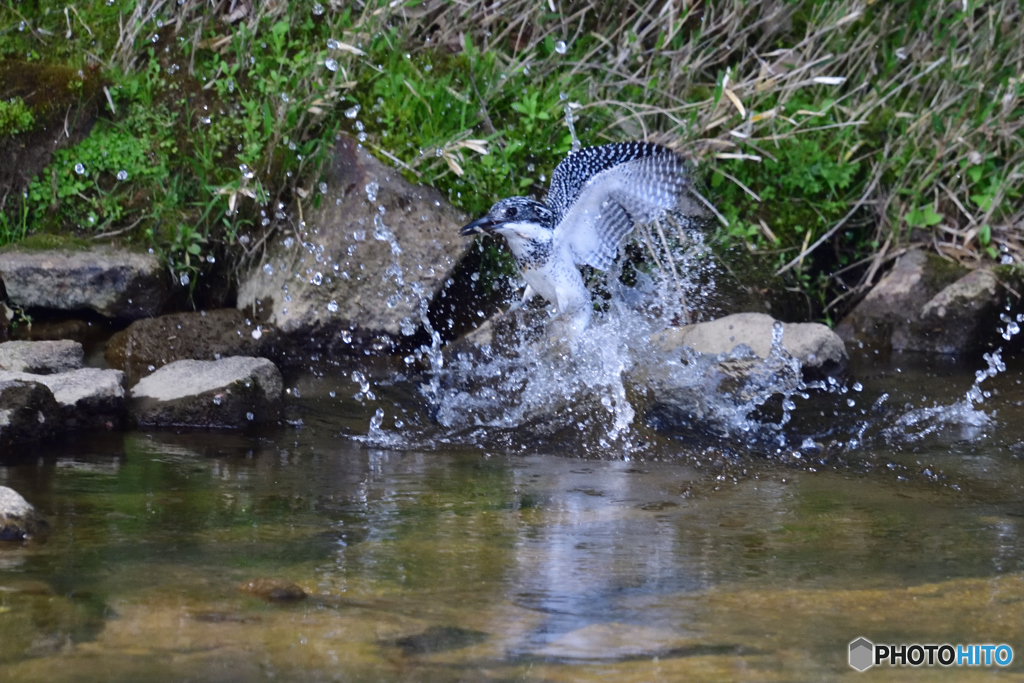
[41, 357]
[820, 350]
[151, 343]
[18, 519]
[273, 590]
[89, 398]
[112, 282]
[930, 305]
[364, 265]
[230, 392]
[28, 413]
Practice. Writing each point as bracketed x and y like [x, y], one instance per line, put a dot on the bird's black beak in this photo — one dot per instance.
[485, 224]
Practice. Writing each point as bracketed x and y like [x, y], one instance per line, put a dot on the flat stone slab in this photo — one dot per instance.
[18, 519]
[230, 393]
[41, 357]
[88, 397]
[820, 350]
[112, 282]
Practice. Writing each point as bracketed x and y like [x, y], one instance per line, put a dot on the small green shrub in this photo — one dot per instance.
[15, 117]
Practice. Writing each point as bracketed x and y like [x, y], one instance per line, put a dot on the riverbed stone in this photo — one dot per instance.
[354, 275]
[227, 393]
[151, 343]
[41, 357]
[19, 520]
[28, 413]
[89, 398]
[112, 282]
[820, 350]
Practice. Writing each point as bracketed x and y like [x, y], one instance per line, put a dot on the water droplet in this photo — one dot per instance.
[285, 98]
[371, 191]
[122, 175]
[247, 172]
[318, 9]
[323, 188]
[210, 258]
[250, 417]
[218, 399]
[352, 112]
[332, 44]
[318, 278]
[561, 48]
[332, 65]
[857, 386]
[268, 269]
[80, 168]
[184, 279]
[332, 306]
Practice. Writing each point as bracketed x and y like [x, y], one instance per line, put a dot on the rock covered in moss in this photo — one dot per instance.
[18, 519]
[151, 343]
[228, 393]
[41, 357]
[356, 273]
[112, 282]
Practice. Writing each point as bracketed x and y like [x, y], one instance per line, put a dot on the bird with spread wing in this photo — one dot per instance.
[597, 195]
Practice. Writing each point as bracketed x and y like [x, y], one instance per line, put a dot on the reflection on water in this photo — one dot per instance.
[458, 564]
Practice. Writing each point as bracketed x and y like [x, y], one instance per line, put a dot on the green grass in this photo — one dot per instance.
[827, 136]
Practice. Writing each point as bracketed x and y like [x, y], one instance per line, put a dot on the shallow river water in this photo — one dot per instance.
[524, 561]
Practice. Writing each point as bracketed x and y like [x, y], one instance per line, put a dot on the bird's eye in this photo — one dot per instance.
[511, 212]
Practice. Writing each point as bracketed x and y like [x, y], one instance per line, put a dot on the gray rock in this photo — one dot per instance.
[957, 319]
[209, 335]
[350, 254]
[894, 303]
[88, 397]
[18, 519]
[112, 282]
[820, 350]
[40, 357]
[719, 373]
[28, 413]
[220, 393]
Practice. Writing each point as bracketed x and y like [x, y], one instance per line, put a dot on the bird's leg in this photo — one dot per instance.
[528, 294]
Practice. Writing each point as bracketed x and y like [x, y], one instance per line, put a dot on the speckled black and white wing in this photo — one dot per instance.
[599, 193]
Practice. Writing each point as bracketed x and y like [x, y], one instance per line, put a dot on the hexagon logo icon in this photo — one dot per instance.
[862, 654]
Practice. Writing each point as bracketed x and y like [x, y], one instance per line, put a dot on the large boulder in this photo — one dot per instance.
[18, 519]
[231, 392]
[41, 357]
[357, 274]
[151, 343]
[89, 398]
[958, 319]
[112, 282]
[28, 413]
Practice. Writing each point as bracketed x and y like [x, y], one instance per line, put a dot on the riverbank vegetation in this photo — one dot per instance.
[829, 134]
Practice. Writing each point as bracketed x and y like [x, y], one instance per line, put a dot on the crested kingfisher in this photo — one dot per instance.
[596, 196]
